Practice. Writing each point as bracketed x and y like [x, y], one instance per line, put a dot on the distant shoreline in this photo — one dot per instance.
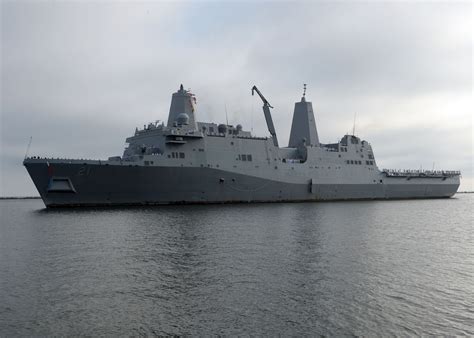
[20, 198]
[38, 197]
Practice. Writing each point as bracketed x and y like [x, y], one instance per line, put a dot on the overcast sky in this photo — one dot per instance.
[80, 76]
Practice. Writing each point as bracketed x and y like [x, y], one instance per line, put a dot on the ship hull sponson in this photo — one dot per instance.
[93, 185]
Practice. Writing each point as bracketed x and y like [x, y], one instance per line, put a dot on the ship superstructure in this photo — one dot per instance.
[187, 161]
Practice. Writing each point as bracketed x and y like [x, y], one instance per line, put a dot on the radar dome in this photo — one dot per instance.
[239, 127]
[182, 118]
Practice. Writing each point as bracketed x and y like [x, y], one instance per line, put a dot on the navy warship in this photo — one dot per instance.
[187, 161]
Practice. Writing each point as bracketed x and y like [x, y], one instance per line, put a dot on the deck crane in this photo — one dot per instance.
[268, 117]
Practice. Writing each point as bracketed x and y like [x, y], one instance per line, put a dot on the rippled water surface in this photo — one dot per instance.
[355, 268]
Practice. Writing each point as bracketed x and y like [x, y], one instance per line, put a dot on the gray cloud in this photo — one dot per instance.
[80, 76]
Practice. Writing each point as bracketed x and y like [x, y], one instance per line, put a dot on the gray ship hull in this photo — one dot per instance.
[80, 184]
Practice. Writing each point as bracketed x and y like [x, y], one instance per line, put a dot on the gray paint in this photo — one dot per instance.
[195, 163]
[303, 127]
[97, 184]
[182, 102]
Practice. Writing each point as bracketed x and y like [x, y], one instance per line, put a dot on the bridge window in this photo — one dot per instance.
[181, 155]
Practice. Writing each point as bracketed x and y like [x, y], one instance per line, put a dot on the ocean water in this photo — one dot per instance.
[343, 268]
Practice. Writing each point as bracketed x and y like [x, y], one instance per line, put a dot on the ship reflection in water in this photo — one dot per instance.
[350, 268]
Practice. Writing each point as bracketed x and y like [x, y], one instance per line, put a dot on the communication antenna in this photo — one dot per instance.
[251, 119]
[304, 91]
[226, 118]
[28, 147]
[354, 125]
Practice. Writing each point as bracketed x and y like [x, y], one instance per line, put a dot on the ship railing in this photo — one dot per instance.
[252, 137]
[60, 158]
[68, 160]
[420, 173]
[238, 136]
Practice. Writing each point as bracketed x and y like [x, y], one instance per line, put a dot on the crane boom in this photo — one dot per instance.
[268, 116]
[255, 89]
